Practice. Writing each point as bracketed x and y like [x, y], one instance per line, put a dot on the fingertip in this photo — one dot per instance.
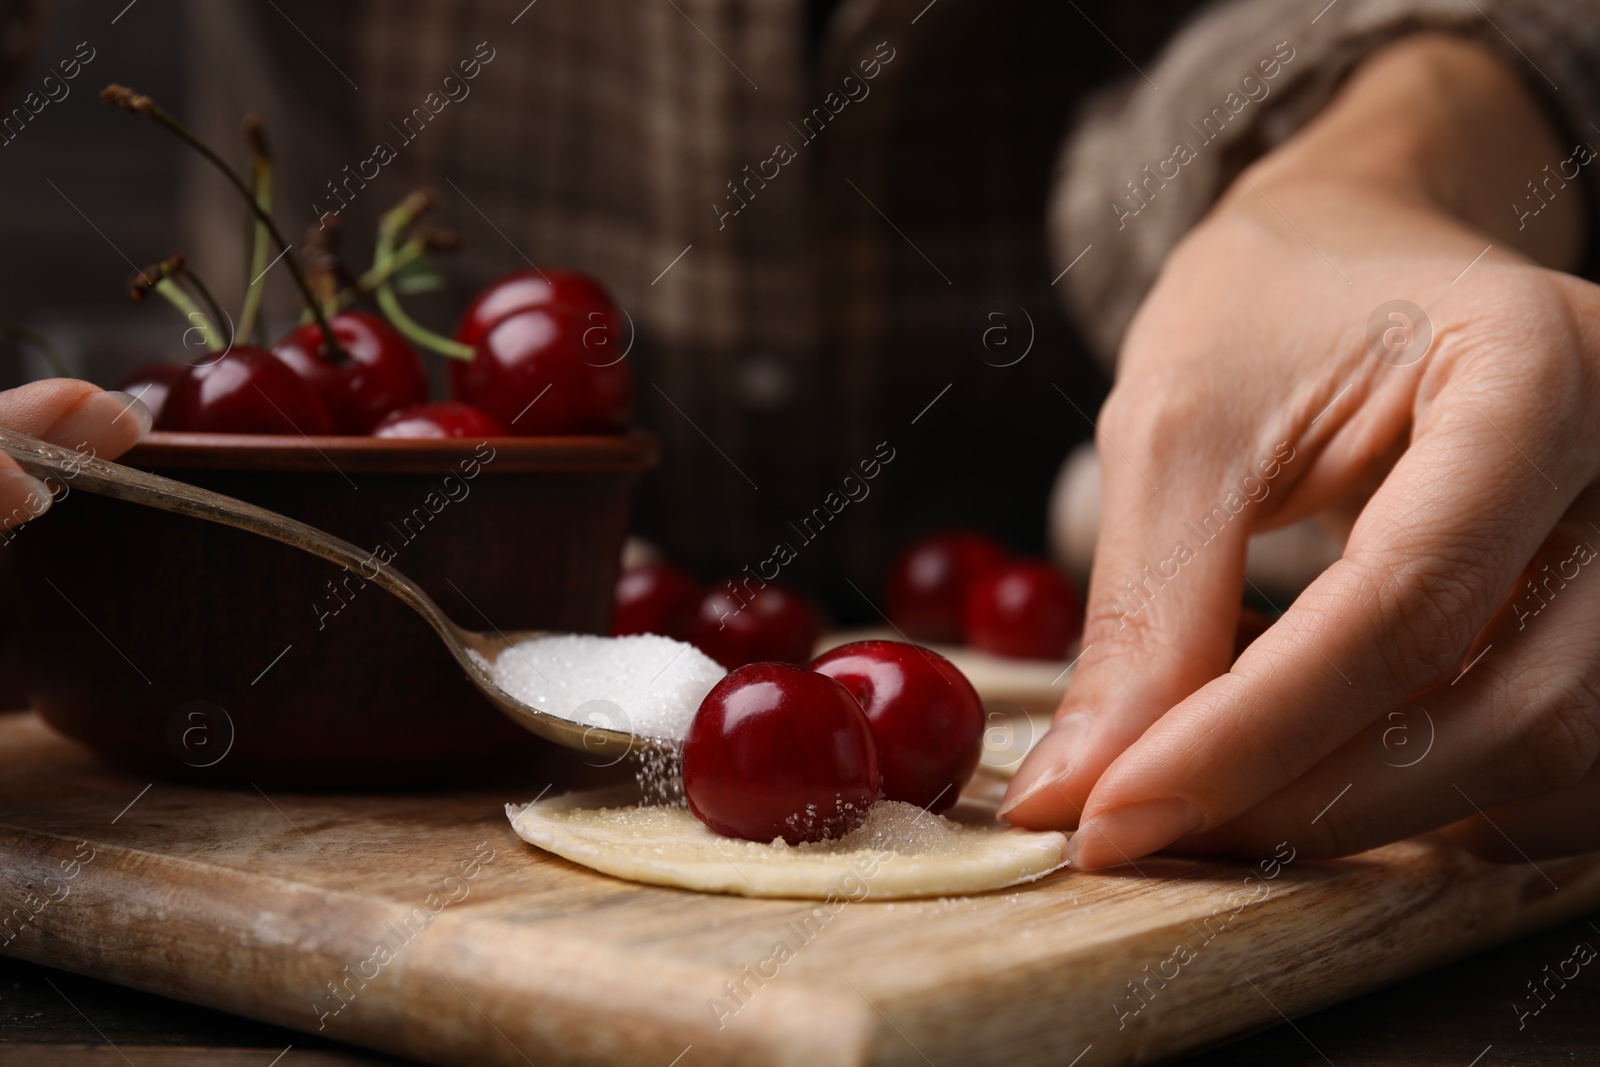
[134, 410]
[1024, 810]
[1125, 834]
[76, 415]
[104, 424]
[1037, 798]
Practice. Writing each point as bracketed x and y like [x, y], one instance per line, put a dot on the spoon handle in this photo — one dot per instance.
[79, 470]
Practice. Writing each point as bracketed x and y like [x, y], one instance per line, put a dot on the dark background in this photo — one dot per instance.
[986, 460]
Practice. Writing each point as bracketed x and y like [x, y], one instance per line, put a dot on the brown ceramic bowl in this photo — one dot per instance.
[199, 650]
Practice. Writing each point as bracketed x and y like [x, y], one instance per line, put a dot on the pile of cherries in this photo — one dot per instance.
[538, 352]
[542, 344]
[802, 753]
[779, 750]
[742, 621]
[963, 587]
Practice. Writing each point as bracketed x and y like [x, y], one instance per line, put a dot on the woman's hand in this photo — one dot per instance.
[64, 412]
[1446, 671]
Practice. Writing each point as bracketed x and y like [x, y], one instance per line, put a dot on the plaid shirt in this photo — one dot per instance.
[792, 314]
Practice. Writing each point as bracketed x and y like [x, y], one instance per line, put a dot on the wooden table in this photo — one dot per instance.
[1445, 1018]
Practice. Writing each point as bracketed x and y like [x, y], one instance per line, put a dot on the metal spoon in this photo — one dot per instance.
[82, 471]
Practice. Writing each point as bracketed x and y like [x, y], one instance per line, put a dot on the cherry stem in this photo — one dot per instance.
[378, 274]
[384, 273]
[257, 235]
[121, 97]
[191, 312]
[218, 316]
[325, 266]
[36, 340]
[319, 272]
[158, 278]
[418, 245]
[394, 223]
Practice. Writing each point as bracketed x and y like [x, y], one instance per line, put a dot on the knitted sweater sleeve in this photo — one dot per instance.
[1151, 154]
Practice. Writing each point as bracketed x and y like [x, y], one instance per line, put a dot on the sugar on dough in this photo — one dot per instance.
[901, 851]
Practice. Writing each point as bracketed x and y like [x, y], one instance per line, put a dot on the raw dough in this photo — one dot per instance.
[899, 852]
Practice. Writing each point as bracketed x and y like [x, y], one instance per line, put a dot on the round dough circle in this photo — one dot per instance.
[900, 852]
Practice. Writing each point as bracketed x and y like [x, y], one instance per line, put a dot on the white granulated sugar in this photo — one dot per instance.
[890, 826]
[895, 826]
[643, 684]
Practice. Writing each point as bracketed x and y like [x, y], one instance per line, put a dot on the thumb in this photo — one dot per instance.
[64, 412]
[76, 415]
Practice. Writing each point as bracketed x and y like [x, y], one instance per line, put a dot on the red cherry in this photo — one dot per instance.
[244, 390]
[926, 717]
[550, 287]
[151, 384]
[529, 371]
[928, 582]
[383, 373]
[735, 626]
[655, 598]
[779, 751]
[449, 419]
[320, 377]
[1026, 609]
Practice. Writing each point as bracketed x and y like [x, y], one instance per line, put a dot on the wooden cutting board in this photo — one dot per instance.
[274, 906]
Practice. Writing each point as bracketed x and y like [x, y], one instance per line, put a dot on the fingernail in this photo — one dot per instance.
[1124, 834]
[1051, 762]
[35, 496]
[130, 407]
